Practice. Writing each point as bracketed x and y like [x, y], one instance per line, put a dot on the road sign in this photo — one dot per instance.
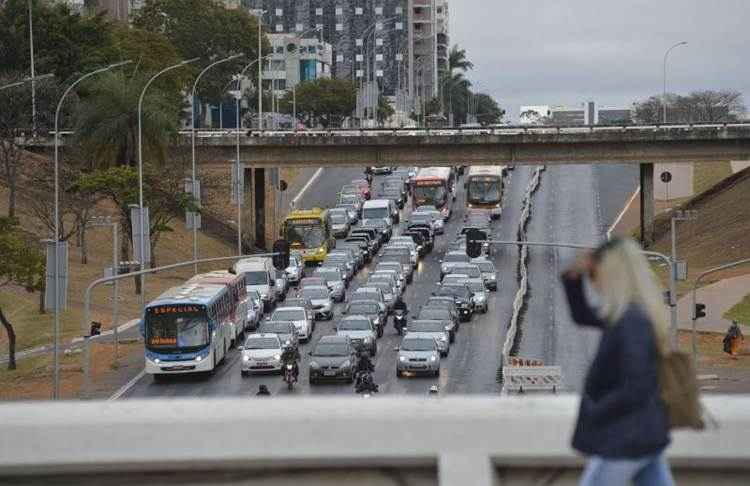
[666, 177]
[62, 275]
[283, 185]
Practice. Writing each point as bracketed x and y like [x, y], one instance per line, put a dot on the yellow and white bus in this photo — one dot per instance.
[309, 232]
[484, 188]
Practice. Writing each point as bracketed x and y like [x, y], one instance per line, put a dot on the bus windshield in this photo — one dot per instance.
[376, 213]
[484, 190]
[430, 195]
[176, 328]
[307, 234]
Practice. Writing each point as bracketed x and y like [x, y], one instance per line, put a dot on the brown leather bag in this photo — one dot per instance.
[679, 391]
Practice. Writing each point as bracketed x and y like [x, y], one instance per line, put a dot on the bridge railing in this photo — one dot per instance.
[456, 440]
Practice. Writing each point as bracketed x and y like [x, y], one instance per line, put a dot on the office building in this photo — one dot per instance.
[564, 115]
[296, 59]
[614, 116]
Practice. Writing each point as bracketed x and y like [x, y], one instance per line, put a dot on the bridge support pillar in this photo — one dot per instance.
[647, 204]
[457, 469]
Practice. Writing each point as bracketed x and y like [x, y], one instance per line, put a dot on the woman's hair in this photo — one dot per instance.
[625, 277]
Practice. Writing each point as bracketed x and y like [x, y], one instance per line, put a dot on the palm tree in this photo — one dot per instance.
[457, 60]
[107, 121]
[457, 84]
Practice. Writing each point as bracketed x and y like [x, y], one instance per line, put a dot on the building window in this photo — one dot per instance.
[279, 12]
[318, 11]
[379, 26]
[358, 42]
[299, 27]
[359, 58]
[399, 10]
[339, 58]
[399, 57]
[359, 73]
[339, 11]
[319, 27]
[358, 11]
[378, 57]
[279, 27]
[378, 10]
[399, 26]
[279, 49]
[339, 27]
[378, 41]
[379, 73]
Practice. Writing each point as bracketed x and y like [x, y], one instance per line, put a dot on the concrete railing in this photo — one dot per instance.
[446, 441]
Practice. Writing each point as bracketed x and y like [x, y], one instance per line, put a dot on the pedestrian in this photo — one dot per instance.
[733, 340]
[622, 422]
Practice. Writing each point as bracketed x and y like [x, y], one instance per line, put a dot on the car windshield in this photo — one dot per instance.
[354, 325]
[433, 313]
[471, 271]
[476, 286]
[315, 292]
[426, 209]
[256, 278]
[328, 275]
[417, 344]
[456, 258]
[455, 290]
[331, 349]
[381, 212]
[349, 199]
[366, 295]
[486, 267]
[288, 315]
[424, 326]
[262, 343]
[275, 327]
[175, 328]
[422, 218]
[363, 308]
[339, 218]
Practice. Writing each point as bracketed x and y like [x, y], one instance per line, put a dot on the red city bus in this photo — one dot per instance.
[434, 186]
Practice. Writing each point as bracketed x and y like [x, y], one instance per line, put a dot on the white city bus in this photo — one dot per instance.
[484, 188]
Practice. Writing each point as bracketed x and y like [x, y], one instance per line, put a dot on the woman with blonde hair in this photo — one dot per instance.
[622, 423]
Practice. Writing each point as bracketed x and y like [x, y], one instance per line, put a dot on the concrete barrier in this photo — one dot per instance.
[446, 441]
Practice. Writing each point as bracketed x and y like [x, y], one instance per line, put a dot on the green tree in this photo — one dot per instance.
[488, 112]
[107, 121]
[205, 29]
[64, 42]
[385, 110]
[324, 102]
[22, 264]
[457, 60]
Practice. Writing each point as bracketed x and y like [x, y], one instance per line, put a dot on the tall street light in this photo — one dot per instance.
[33, 72]
[196, 197]
[141, 243]
[56, 270]
[259, 15]
[664, 98]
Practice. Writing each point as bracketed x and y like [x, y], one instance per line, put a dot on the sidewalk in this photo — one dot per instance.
[75, 342]
[719, 298]
[739, 165]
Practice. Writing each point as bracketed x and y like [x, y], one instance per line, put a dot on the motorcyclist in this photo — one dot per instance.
[263, 391]
[364, 364]
[399, 307]
[290, 356]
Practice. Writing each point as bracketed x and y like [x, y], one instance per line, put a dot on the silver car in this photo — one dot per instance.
[478, 289]
[489, 272]
[451, 259]
[361, 332]
[320, 300]
[334, 279]
[261, 353]
[254, 309]
[418, 354]
[433, 329]
[302, 320]
[296, 269]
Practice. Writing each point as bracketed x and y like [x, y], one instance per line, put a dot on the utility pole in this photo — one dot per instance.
[33, 72]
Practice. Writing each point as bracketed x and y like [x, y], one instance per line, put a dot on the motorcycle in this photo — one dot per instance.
[399, 321]
[365, 384]
[289, 376]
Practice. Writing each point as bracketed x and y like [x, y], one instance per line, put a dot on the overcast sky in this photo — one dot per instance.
[564, 52]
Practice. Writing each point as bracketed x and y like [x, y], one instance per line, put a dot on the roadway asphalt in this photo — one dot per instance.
[567, 207]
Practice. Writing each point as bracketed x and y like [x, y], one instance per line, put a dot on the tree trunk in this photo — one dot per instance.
[42, 310]
[82, 239]
[11, 341]
[11, 197]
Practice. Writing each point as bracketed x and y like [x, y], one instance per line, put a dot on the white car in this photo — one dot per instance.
[300, 317]
[261, 353]
[254, 309]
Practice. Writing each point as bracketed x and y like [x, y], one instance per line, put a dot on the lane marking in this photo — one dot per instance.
[622, 213]
[127, 386]
[307, 186]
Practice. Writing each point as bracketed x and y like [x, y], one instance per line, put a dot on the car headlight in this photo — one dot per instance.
[198, 358]
[321, 250]
[245, 358]
[288, 342]
[448, 327]
[313, 364]
[442, 338]
[277, 357]
[402, 358]
[157, 360]
[433, 358]
[346, 364]
[368, 339]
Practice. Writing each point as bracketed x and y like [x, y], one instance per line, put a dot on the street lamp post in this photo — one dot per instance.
[25, 80]
[196, 197]
[33, 73]
[259, 16]
[141, 244]
[664, 97]
[56, 270]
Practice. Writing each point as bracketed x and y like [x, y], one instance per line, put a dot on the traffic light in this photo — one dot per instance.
[474, 239]
[280, 254]
[700, 311]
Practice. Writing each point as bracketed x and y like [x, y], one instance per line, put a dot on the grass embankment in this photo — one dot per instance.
[721, 232]
[740, 312]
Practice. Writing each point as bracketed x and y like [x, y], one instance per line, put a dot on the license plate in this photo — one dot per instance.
[329, 373]
[418, 366]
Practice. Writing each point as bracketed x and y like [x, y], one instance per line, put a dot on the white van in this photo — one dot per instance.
[260, 275]
[379, 209]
